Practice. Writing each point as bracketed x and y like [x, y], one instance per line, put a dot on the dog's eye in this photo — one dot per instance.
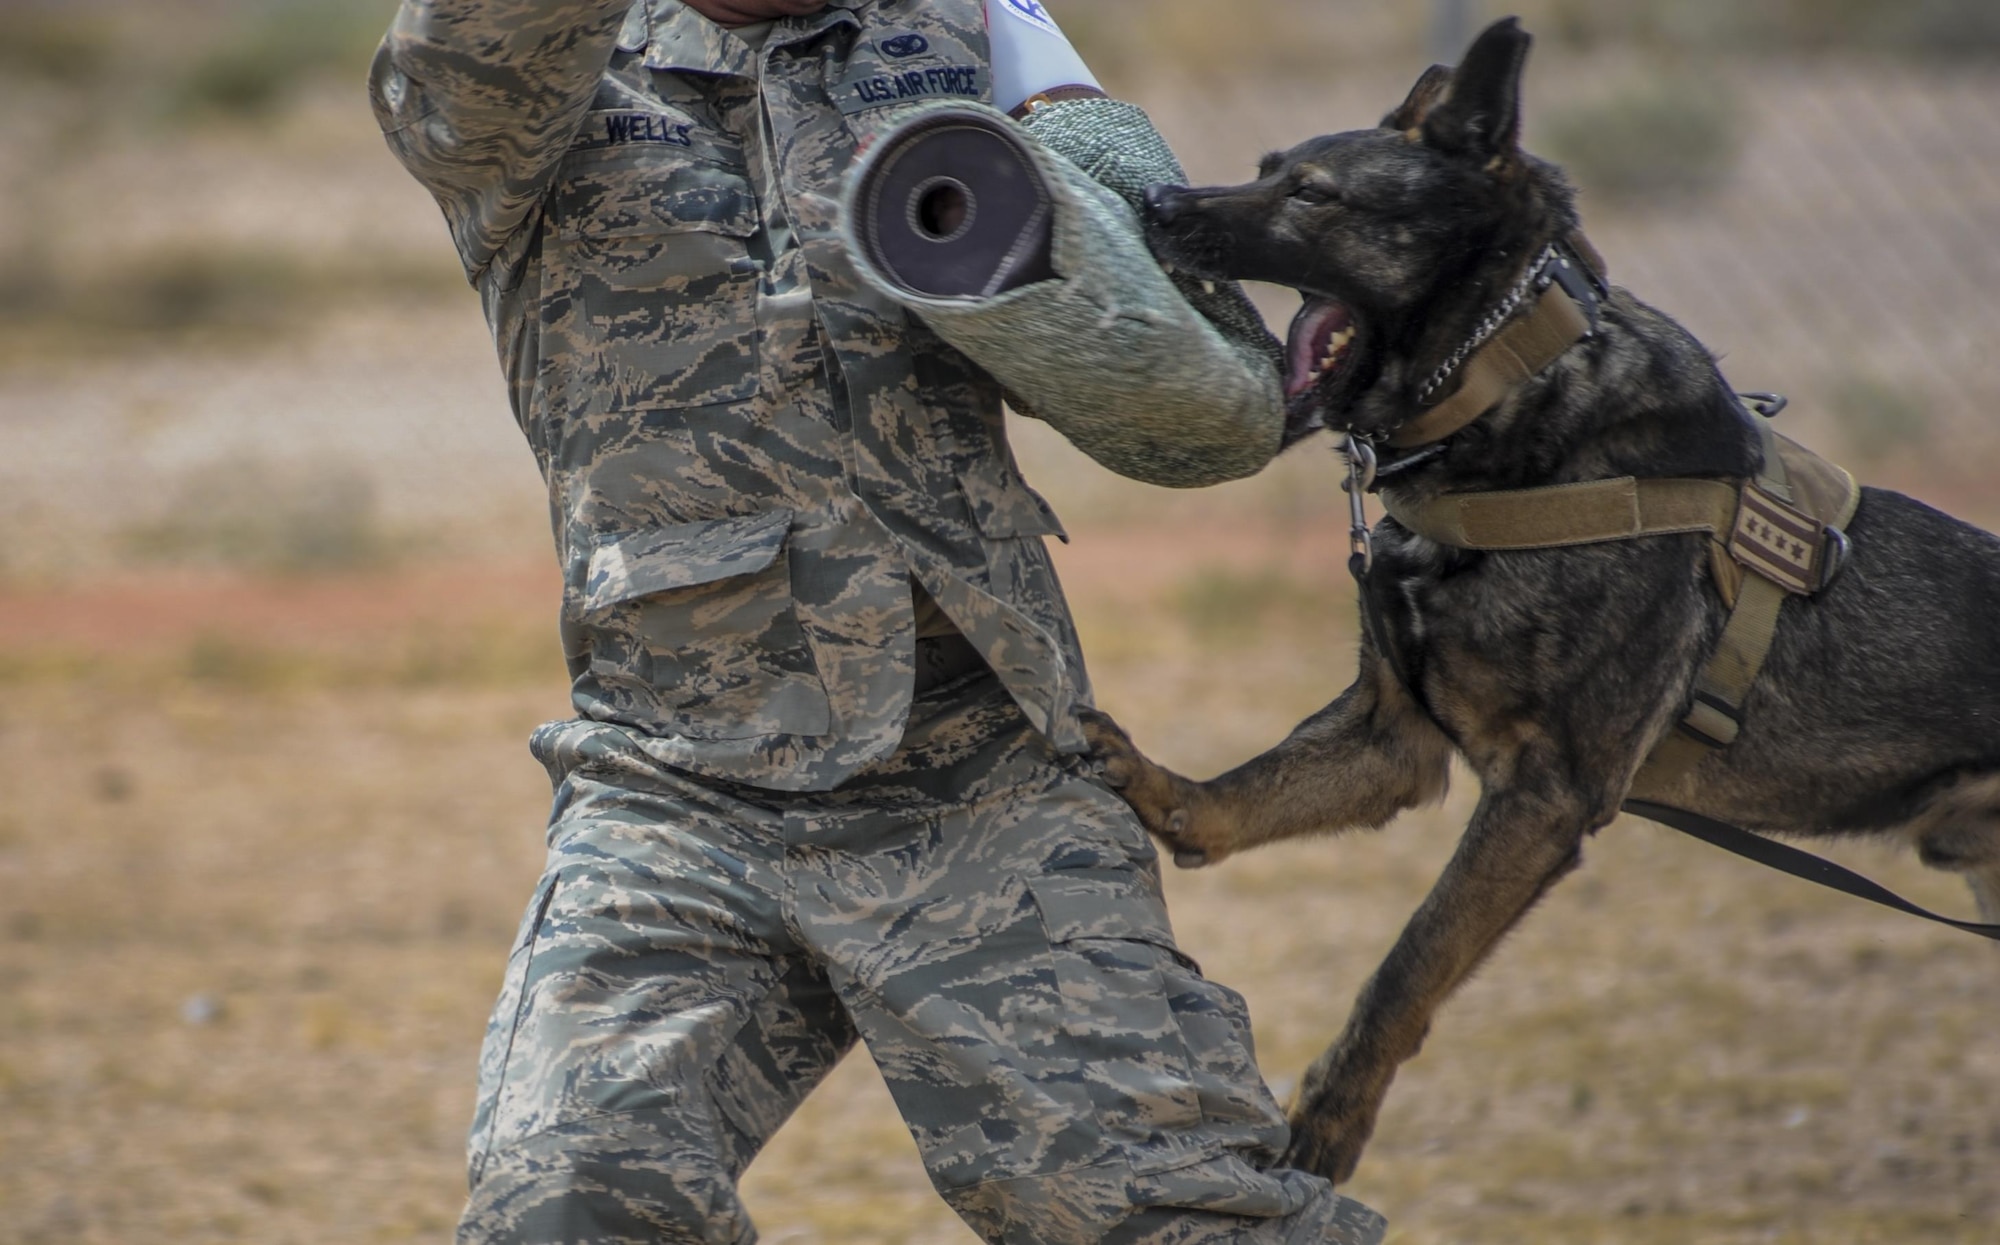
[1307, 192]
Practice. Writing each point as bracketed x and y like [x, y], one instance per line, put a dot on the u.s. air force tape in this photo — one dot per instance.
[1041, 275]
[953, 207]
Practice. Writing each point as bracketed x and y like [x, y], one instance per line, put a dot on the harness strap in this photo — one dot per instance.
[1716, 717]
[1569, 514]
[1516, 354]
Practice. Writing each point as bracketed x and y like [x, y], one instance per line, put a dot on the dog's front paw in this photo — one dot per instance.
[1168, 805]
[1330, 1129]
[1324, 1150]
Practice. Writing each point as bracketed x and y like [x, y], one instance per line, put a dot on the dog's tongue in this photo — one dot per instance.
[1306, 346]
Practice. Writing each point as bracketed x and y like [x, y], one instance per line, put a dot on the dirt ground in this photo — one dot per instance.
[267, 816]
[261, 866]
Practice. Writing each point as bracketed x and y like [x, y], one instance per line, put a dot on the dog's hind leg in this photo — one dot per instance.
[1958, 830]
[1519, 843]
[1358, 762]
[1986, 892]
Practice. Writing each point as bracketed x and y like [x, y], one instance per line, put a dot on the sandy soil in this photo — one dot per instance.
[255, 917]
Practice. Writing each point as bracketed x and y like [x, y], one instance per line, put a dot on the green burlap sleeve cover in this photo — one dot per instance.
[1116, 144]
[1177, 385]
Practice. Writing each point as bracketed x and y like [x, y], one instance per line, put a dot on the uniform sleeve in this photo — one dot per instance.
[1030, 53]
[480, 99]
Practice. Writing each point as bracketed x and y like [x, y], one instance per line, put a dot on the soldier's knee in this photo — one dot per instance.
[1067, 1208]
[1105, 1202]
[1207, 1201]
[611, 1180]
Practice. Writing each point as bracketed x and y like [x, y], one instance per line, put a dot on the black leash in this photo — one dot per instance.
[1788, 859]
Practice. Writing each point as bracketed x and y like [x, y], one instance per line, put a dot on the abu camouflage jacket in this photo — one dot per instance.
[749, 454]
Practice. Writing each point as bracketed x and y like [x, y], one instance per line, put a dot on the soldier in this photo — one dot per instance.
[825, 776]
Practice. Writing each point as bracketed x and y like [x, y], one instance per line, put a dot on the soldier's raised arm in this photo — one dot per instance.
[481, 98]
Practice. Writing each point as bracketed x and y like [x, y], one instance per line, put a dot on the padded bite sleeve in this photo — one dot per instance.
[1116, 145]
[1172, 384]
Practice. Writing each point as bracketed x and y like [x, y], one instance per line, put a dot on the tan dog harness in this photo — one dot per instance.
[1776, 535]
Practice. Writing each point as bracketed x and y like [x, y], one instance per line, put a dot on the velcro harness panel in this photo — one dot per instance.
[1783, 545]
[1570, 514]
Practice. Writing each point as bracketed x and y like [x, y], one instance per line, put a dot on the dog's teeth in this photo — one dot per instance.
[1336, 346]
[1169, 269]
[1208, 287]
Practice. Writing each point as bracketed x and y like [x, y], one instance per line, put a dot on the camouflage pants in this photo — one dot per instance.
[980, 910]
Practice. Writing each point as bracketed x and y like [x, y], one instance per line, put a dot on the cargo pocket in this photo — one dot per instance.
[650, 257]
[1117, 973]
[693, 631]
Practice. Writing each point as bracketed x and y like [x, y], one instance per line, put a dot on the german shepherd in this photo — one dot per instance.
[1552, 672]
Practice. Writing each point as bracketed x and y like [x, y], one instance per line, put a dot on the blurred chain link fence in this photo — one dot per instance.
[227, 268]
[1840, 239]
[1811, 186]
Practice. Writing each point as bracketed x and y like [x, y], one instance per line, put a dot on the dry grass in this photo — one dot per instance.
[254, 922]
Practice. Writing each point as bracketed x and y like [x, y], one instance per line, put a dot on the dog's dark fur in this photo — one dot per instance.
[1554, 673]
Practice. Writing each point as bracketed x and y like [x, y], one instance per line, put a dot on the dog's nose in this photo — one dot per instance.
[1164, 202]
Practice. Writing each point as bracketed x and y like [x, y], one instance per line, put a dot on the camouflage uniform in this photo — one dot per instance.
[763, 837]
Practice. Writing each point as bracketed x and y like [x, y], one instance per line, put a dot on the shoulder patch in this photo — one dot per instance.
[1031, 12]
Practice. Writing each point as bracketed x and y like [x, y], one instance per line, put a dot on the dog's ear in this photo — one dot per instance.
[1424, 96]
[1482, 115]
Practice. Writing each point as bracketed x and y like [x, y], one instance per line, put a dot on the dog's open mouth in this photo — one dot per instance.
[1320, 342]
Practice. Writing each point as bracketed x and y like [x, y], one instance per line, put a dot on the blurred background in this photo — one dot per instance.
[277, 613]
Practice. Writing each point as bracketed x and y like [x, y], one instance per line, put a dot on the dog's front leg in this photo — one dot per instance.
[1358, 762]
[1517, 845]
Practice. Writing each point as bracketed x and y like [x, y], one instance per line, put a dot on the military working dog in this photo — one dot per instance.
[1552, 672]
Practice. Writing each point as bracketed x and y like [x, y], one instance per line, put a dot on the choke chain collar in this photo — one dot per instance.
[1535, 278]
